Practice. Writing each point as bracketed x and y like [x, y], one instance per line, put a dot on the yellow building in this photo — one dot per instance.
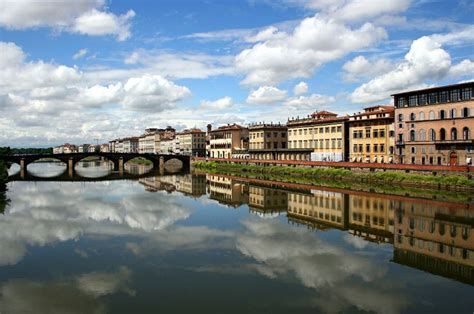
[266, 200]
[226, 191]
[267, 141]
[322, 133]
[319, 209]
[371, 218]
[372, 135]
[229, 141]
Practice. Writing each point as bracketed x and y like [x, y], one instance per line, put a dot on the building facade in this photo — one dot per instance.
[323, 133]
[192, 142]
[229, 141]
[434, 126]
[372, 135]
[267, 141]
[130, 145]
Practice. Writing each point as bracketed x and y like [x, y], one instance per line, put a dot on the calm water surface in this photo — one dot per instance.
[216, 244]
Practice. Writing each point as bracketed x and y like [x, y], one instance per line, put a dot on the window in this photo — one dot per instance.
[432, 135]
[367, 133]
[433, 98]
[466, 134]
[452, 113]
[443, 96]
[412, 135]
[442, 114]
[382, 148]
[367, 148]
[431, 115]
[422, 115]
[454, 134]
[466, 93]
[422, 135]
[455, 95]
[382, 133]
[412, 101]
[400, 117]
[401, 102]
[442, 134]
[465, 112]
[376, 133]
[422, 99]
[354, 149]
[412, 116]
[413, 150]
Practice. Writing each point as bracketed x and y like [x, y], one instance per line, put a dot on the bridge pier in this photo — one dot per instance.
[120, 166]
[161, 165]
[70, 167]
[23, 168]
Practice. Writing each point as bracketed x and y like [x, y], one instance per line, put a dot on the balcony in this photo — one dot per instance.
[400, 143]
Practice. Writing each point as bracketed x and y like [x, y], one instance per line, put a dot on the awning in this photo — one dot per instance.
[360, 159]
[390, 159]
[375, 159]
[468, 160]
[367, 159]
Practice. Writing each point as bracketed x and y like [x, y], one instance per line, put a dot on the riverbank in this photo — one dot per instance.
[141, 161]
[314, 175]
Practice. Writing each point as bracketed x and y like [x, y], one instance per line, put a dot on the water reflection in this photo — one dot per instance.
[281, 248]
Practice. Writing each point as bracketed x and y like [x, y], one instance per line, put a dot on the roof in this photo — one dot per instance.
[228, 127]
[261, 126]
[437, 88]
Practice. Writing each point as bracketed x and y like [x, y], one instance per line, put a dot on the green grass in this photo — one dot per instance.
[141, 161]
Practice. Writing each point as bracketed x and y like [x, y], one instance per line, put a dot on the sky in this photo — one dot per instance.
[94, 70]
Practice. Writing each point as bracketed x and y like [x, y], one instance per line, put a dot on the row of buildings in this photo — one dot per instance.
[431, 235]
[83, 148]
[430, 126]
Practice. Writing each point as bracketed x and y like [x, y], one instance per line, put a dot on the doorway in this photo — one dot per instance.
[453, 159]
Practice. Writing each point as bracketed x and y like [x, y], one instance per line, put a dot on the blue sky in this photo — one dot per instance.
[73, 71]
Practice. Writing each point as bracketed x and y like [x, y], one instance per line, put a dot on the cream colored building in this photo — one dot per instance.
[267, 141]
[319, 210]
[225, 190]
[229, 141]
[372, 135]
[322, 133]
[264, 200]
[192, 142]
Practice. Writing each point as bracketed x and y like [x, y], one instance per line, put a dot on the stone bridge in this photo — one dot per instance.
[118, 159]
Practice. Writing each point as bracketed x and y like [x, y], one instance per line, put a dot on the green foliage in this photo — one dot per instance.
[48, 150]
[141, 161]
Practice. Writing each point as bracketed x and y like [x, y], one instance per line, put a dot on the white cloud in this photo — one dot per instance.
[426, 60]
[314, 41]
[266, 95]
[300, 88]
[222, 103]
[310, 101]
[152, 92]
[361, 68]
[97, 23]
[81, 53]
[465, 67]
[82, 16]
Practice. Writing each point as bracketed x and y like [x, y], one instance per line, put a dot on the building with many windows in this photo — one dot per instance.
[322, 133]
[372, 135]
[267, 141]
[130, 145]
[192, 142]
[229, 141]
[435, 125]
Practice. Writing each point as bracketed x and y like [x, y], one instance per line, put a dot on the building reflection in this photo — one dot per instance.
[265, 201]
[435, 238]
[190, 185]
[428, 235]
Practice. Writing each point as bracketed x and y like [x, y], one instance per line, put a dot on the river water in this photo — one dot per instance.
[180, 243]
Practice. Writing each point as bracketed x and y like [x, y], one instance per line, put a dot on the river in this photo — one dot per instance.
[180, 243]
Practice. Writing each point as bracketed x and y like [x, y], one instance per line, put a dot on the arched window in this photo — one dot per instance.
[432, 135]
[465, 133]
[431, 115]
[412, 116]
[412, 135]
[422, 115]
[422, 135]
[454, 134]
[465, 112]
[442, 114]
[453, 113]
[400, 117]
[442, 134]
